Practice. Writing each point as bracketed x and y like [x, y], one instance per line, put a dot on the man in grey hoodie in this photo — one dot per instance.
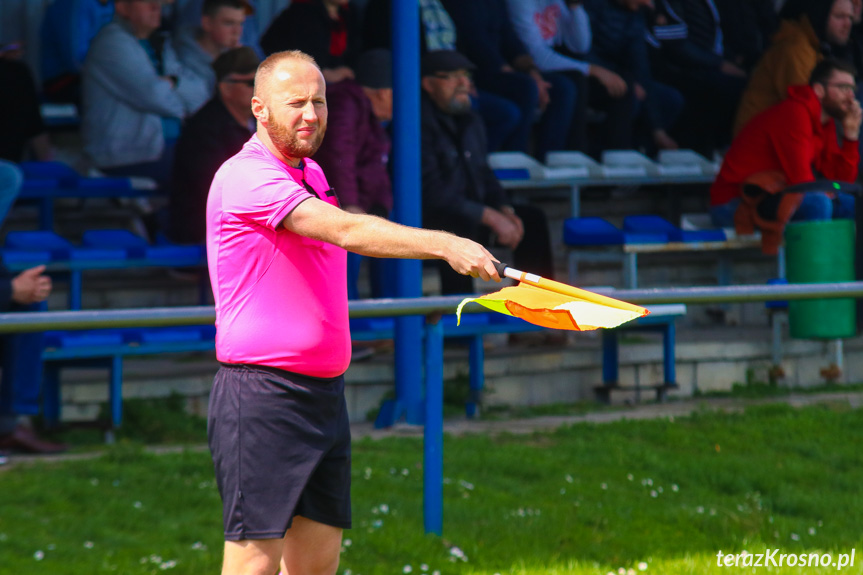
[135, 94]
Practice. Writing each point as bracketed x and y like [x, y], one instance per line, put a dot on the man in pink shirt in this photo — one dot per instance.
[276, 247]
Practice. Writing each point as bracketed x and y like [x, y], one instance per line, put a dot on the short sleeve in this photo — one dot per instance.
[267, 200]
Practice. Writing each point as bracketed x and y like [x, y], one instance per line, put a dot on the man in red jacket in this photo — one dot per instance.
[792, 142]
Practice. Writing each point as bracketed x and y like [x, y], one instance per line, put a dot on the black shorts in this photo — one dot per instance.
[281, 446]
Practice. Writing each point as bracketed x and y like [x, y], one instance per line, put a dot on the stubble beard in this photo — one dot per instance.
[292, 146]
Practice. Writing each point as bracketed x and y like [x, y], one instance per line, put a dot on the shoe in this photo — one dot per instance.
[25, 439]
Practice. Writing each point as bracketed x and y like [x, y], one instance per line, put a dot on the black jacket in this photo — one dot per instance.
[209, 137]
[305, 25]
[457, 182]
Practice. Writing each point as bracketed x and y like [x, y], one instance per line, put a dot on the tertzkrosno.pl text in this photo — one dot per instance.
[773, 558]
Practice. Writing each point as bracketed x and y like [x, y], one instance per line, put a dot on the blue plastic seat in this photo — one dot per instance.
[651, 224]
[591, 231]
[44, 241]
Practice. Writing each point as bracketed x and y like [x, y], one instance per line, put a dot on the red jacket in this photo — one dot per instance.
[788, 138]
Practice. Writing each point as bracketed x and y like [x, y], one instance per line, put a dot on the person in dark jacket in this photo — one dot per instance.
[460, 192]
[693, 61]
[355, 152]
[619, 31]
[22, 368]
[212, 135]
[326, 30]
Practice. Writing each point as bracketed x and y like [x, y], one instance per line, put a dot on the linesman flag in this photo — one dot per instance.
[552, 304]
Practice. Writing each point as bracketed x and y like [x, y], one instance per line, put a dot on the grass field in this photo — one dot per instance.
[661, 496]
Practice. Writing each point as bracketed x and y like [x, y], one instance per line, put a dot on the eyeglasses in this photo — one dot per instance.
[842, 87]
[454, 75]
[249, 83]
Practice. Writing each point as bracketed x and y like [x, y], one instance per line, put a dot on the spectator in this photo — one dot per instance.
[135, 94]
[22, 133]
[620, 45]
[501, 116]
[212, 135]
[787, 144]
[22, 367]
[327, 30]
[693, 60]
[356, 150]
[558, 36]
[460, 191]
[747, 26]
[187, 14]
[220, 28]
[805, 36]
[68, 28]
[505, 68]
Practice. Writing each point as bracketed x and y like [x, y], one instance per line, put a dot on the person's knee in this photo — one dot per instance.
[815, 206]
[251, 557]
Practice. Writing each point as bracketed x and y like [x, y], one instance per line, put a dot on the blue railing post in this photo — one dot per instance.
[433, 432]
[408, 211]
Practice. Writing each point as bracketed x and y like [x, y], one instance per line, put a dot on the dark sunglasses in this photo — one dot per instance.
[249, 83]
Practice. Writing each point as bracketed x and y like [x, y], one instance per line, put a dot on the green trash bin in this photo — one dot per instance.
[821, 252]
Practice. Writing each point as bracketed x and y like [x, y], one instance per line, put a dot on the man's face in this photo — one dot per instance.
[237, 91]
[838, 95]
[839, 22]
[225, 26]
[382, 103]
[450, 91]
[296, 108]
[144, 16]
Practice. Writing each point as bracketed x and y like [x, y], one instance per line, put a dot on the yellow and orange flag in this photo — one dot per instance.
[552, 304]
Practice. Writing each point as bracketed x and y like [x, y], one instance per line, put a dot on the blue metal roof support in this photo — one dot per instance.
[408, 210]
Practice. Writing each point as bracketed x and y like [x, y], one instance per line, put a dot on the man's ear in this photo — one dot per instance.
[425, 83]
[820, 90]
[260, 110]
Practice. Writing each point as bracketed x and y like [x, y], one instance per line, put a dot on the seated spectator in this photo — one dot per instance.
[210, 136]
[619, 45]
[187, 14]
[220, 28]
[135, 95]
[787, 144]
[747, 26]
[327, 30]
[505, 68]
[22, 132]
[693, 60]
[20, 355]
[356, 149]
[460, 193]
[501, 115]
[806, 34]
[558, 36]
[68, 27]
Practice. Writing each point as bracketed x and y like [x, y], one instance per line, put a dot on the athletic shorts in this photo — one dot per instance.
[281, 447]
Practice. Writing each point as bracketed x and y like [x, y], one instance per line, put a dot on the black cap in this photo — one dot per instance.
[445, 61]
[241, 60]
[375, 69]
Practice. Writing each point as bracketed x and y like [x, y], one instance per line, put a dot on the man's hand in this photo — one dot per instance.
[30, 286]
[851, 122]
[505, 224]
[542, 87]
[615, 85]
[470, 258]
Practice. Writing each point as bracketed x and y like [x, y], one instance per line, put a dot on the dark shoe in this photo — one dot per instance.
[25, 439]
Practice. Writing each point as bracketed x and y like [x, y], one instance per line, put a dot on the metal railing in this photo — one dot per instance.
[431, 308]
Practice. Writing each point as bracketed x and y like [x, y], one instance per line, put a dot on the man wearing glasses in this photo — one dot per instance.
[460, 191]
[792, 142]
[212, 135]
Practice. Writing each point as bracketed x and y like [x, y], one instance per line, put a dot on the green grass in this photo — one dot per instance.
[586, 499]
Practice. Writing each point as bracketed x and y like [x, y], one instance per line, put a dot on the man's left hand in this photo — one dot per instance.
[30, 286]
[851, 122]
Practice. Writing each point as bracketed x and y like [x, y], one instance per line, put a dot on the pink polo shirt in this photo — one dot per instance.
[281, 298]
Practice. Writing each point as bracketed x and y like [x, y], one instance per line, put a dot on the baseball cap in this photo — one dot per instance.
[375, 69]
[240, 60]
[444, 61]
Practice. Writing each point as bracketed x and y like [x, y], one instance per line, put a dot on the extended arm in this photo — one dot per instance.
[372, 236]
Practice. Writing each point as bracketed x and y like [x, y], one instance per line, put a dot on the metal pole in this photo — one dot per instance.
[407, 202]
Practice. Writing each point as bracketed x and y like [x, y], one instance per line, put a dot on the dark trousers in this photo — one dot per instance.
[532, 255]
[615, 126]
